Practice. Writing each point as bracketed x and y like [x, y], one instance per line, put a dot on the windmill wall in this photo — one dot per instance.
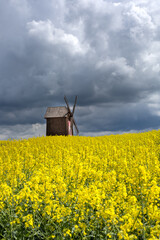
[57, 126]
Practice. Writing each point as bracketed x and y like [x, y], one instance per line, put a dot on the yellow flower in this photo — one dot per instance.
[84, 184]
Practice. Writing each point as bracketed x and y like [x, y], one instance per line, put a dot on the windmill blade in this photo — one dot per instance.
[74, 105]
[66, 114]
[65, 99]
[75, 125]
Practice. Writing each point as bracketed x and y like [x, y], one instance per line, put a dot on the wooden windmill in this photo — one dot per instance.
[60, 121]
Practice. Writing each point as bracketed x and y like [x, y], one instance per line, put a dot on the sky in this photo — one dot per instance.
[107, 52]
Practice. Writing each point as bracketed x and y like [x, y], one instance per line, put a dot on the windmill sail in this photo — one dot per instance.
[70, 114]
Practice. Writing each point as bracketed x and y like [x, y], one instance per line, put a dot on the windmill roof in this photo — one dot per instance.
[53, 112]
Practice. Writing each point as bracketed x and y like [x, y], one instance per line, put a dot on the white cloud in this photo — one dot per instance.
[140, 16]
[149, 59]
[119, 66]
[46, 31]
[98, 6]
[22, 131]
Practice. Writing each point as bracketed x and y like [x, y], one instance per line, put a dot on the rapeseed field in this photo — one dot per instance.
[81, 187]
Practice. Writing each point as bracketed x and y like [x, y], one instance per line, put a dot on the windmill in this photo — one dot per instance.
[70, 114]
[60, 120]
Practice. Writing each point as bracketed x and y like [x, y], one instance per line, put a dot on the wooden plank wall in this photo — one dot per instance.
[56, 126]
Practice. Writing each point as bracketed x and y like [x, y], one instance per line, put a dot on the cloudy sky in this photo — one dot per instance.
[105, 51]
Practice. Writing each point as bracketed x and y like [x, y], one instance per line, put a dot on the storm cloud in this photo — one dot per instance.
[105, 51]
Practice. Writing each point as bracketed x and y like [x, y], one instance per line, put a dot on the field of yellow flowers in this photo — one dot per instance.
[81, 187]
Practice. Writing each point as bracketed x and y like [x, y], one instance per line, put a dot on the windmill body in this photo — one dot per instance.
[60, 121]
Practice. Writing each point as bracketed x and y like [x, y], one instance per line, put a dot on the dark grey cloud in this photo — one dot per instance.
[106, 52]
[119, 118]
